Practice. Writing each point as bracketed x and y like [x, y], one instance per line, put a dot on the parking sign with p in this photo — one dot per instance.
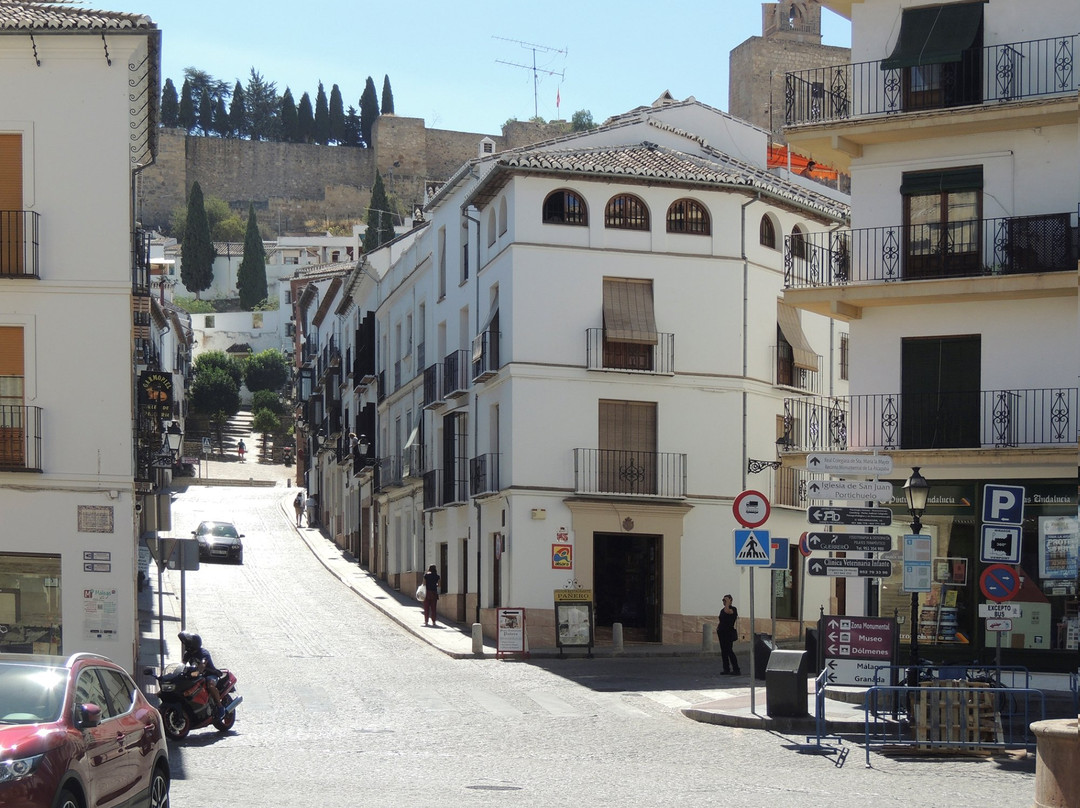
[1003, 504]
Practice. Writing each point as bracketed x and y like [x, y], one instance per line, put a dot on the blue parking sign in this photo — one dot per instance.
[1003, 504]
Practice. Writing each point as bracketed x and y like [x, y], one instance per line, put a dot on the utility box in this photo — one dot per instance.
[785, 684]
[763, 648]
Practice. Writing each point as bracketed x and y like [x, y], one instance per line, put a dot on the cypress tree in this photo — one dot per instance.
[337, 116]
[289, 122]
[369, 111]
[387, 97]
[305, 120]
[262, 103]
[237, 112]
[251, 276]
[186, 111]
[197, 258]
[206, 114]
[352, 127]
[380, 222]
[321, 130]
[170, 105]
[221, 119]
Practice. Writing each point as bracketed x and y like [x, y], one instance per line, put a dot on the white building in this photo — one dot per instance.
[76, 83]
[604, 355]
[958, 279]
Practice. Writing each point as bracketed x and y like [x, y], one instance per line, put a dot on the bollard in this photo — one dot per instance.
[1057, 778]
[706, 637]
[616, 637]
[477, 639]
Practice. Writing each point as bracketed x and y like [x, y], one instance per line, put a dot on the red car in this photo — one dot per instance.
[77, 732]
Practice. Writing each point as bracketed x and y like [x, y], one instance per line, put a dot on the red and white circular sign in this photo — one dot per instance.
[751, 509]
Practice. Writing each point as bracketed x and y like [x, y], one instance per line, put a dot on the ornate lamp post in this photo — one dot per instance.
[916, 491]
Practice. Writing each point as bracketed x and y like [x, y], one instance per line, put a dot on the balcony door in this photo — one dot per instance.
[12, 413]
[627, 462]
[940, 392]
[943, 222]
[11, 202]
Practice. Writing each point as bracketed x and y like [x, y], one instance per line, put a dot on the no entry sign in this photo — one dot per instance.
[999, 583]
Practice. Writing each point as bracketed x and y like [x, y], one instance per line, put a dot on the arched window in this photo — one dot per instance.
[688, 216]
[767, 233]
[491, 228]
[565, 207]
[798, 243]
[502, 216]
[626, 212]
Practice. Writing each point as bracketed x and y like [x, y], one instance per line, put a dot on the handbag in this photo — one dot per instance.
[421, 592]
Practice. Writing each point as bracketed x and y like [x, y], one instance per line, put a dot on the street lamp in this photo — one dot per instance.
[916, 491]
[173, 439]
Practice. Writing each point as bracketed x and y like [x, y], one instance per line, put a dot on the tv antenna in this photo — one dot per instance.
[536, 71]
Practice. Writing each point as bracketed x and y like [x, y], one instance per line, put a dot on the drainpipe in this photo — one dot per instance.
[476, 419]
[745, 320]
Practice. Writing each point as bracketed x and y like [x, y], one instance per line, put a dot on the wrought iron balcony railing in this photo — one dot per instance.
[433, 388]
[19, 244]
[433, 489]
[630, 473]
[20, 438]
[1014, 245]
[1008, 72]
[140, 263]
[456, 374]
[444, 488]
[485, 356]
[602, 354]
[788, 374]
[980, 419]
[388, 473]
[484, 475]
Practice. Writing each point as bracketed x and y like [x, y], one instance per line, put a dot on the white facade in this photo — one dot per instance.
[68, 546]
[960, 288]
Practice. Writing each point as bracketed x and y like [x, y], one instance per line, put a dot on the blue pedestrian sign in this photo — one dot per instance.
[1003, 504]
[753, 548]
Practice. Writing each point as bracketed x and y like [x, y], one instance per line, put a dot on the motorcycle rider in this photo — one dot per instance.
[202, 664]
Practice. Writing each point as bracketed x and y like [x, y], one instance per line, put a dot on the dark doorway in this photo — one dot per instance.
[627, 574]
[940, 381]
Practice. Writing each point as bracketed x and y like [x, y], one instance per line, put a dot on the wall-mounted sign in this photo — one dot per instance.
[562, 556]
[156, 395]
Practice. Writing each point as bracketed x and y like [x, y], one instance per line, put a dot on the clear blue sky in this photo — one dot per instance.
[443, 57]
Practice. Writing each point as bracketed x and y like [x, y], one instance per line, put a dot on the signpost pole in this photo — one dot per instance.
[161, 618]
[753, 645]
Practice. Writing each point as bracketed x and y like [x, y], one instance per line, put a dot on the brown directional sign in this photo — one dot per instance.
[849, 542]
[859, 637]
[830, 515]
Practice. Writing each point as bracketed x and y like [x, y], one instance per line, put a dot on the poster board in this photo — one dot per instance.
[574, 619]
[510, 634]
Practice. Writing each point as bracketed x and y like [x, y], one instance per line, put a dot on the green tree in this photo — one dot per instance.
[269, 424]
[266, 370]
[337, 116]
[206, 114]
[261, 100]
[219, 360]
[251, 276]
[321, 130]
[186, 112]
[380, 222]
[197, 258]
[223, 223]
[216, 396]
[237, 112]
[267, 400]
[387, 97]
[305, 120]
[369, 111]
[581, 121]
[170, 105]
[221, 119]
[289, 122]
[352, 127]
[202, 83]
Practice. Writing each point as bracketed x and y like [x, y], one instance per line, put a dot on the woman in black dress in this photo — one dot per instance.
[727, 634]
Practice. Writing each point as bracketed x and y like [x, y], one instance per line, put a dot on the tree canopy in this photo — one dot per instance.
[380, 221]
[170, 105]
[220, 360]
[214, 393]
[266, 370]
[321, 129]
[197, 258]
[387, 97]
[251, 276]
[369, 111]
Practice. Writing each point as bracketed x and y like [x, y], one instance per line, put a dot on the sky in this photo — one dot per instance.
[446, 60]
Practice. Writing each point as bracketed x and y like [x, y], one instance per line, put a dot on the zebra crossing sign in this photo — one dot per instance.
[753, 548]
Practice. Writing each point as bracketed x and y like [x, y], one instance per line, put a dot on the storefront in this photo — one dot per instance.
[1047, 634]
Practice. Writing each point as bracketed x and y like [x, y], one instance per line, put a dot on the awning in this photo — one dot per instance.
[935, 35]
[628, 312]
[788, 320]
[919, 183]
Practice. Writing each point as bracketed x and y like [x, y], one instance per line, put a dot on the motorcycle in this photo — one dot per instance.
[186, 703]
[287, 455]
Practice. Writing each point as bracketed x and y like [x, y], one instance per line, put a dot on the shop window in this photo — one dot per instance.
[30, 604]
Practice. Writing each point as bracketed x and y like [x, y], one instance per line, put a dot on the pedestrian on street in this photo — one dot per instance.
[727, 634]
[298, 506]
[431, 599]
[240, 449]
[312, 505]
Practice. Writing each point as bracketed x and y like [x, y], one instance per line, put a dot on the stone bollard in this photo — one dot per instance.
[477, 639]
[616, 637]
[706, 637]
[1057, 777]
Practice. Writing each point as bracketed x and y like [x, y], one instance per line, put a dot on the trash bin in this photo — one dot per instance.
[785, 684]
[763, 648]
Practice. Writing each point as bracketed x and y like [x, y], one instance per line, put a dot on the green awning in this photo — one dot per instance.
[935, 34]
[968, 178]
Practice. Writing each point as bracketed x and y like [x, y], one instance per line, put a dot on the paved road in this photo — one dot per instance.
[344, 708]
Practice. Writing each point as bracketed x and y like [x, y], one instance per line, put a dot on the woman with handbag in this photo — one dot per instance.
[431, 595]
[727, 634]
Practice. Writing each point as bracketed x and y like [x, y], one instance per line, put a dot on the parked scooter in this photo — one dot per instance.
[286, 455]
[186, 703]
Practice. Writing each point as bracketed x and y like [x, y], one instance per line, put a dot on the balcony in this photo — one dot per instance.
[388, 473]
[1014, 245]
[986, 419]
[412, 462]
[997, 75]
[629, 357]
[484, 475]
[456, 374]
[20, 438]
[19, 244]
[789, 374]
[443, 489]
[630, 473]
[485, 356]
[140, 263]
[433, 388]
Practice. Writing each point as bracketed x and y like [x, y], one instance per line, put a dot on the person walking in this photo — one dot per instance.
[298, 505]
[240, 449]
[312, 506]
[431, 599]
[727, 634]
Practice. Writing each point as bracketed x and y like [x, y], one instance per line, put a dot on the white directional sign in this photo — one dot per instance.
[850, 490]
[869, 465]
[999, 624]
[856, 672]
[1000, 610]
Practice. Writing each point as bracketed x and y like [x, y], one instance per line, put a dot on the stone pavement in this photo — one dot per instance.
[746, 706]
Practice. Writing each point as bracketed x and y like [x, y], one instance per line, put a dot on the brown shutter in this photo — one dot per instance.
[11, 195]
[628, 311]
[11, 351]
[626, 462]
[788, 319]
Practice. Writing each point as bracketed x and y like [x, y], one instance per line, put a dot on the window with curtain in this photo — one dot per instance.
[942, 222]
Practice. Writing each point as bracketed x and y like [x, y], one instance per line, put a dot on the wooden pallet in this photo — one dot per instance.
[953, 716]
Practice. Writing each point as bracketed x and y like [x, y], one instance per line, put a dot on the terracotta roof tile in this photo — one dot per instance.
[20, 15]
